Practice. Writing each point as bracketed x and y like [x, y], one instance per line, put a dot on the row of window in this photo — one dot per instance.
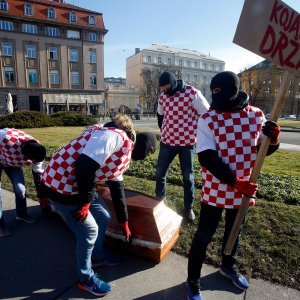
[195, 79]
[50, 31]
[33, 78]
[31, 52]
[187, 63]
[51, 12]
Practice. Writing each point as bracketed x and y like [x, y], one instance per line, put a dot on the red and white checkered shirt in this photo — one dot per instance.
[59, 175]
[10, 147]
[180, 118]
[235, 136]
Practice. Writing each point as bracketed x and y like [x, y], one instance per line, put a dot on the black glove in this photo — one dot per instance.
[272, 130]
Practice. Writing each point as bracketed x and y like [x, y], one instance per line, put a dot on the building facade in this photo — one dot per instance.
[192, 66]
[262, 82]
[119, 97]
[51, 56]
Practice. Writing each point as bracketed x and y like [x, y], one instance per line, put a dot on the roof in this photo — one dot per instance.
[184, 52]
[16, 9]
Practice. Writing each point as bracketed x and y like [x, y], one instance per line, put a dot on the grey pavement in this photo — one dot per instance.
[38, 262]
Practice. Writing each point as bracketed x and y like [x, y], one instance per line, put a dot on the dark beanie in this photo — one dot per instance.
[33, 150]
[228, 82]
[145, 144]
[166, 78]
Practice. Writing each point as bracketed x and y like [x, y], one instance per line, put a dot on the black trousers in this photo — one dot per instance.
[208, 224]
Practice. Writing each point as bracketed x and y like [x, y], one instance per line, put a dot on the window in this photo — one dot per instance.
[33, 76]
[9, 74]
[30, 51]
[53, 53]
[28, 10]
[92, 37]
[188, 77]
[195, 64]
[188, 63]
[54, 77]
[169, 61]
[204, 79]
[212, 67]
[72, 17]
[6, 25]
[93, 58]
[72, 34]
[51, 13]
[92, 20]
[149, 58]
[30, 28]
[204, 66]
[159, 60]
[52, 31]
[7, 49]
[93, 78]
[195, 78]
[3, 5]
[74, 55]
[180, 63]
[74, 78]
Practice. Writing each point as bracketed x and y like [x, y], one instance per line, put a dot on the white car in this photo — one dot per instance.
[291, 117]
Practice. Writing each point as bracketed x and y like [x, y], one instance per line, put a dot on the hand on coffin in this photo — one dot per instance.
[126, 232]
[104, 192]
[272, 130]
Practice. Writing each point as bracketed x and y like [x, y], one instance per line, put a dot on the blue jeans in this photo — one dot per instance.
[208, 224]
[186, 158]
[89, 234]
[16, 176]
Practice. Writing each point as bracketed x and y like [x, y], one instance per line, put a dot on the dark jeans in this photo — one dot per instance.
[186, 159]
[208, 223]
[16, 176]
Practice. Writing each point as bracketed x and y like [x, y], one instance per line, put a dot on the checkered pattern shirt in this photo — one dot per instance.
[180, 118]
[11, 140]
[59, 175]
[236, 136]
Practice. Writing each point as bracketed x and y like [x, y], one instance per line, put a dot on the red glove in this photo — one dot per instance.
[272, 130]
[126, 232]
[82, 213]
[245, 187]
[43, 202]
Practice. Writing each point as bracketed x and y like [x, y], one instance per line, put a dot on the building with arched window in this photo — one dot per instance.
[51, 56]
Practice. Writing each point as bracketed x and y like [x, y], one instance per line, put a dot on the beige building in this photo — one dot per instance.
[119, 97]
[51, 56]
[192, 66]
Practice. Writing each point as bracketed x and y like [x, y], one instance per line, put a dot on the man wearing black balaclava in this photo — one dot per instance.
[228, 137]
[179, 107]
[18, 149]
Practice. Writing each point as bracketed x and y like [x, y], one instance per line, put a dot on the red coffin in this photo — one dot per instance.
[154, 227]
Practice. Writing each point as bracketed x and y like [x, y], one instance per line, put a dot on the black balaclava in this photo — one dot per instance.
[33, 150]
[229, 98]
[145, 144]
[166, 78]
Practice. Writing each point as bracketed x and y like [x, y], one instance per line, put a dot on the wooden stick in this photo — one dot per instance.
[258, 163]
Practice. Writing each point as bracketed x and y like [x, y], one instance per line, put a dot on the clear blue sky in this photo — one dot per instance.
[205, 26]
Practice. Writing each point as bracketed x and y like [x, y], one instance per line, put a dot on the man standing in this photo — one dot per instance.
[16, 150]
[99, 154]
[229, 135]
[179, 107]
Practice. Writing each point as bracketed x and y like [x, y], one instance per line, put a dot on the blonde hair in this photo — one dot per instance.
[123, 122]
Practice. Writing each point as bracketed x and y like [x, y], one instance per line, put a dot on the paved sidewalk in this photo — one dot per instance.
[38, 262]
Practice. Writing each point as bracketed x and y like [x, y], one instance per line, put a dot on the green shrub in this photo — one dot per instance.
[70, 118]
[26, 119]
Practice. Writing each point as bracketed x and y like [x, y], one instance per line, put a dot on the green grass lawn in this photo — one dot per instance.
[270, 246]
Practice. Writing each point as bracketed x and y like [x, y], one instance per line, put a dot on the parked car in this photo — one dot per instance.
[291, 117]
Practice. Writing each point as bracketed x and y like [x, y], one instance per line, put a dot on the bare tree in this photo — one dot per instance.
[150, 77]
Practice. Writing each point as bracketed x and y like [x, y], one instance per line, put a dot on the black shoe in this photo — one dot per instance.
[193, 290]
[189, 215]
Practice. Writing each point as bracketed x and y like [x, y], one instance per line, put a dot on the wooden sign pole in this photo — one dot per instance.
[258, 163]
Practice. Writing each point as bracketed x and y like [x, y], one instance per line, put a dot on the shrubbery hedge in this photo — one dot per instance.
[34, 119]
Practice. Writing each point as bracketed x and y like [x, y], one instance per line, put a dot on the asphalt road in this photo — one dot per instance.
[292, 138]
